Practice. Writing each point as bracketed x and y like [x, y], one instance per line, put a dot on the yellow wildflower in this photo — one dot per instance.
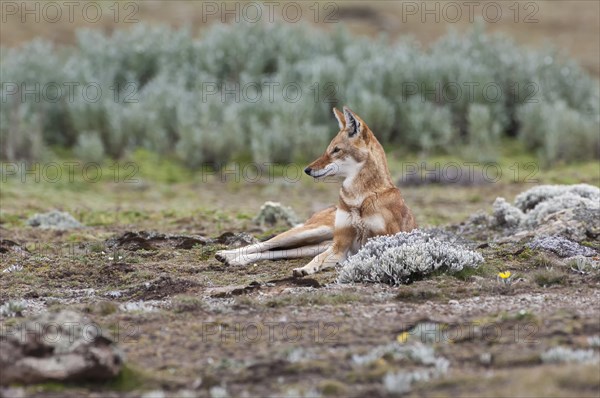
[402, 337]
[504, 275]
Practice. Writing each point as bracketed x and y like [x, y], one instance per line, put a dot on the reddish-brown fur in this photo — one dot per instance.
[369, 204]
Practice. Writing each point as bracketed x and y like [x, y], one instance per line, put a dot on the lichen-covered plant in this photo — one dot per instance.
[273, 213]
[54, 220]
[529, 199]
[562, 247]
[568, 355]
[429, 366]
[551, 210]
[404, 257]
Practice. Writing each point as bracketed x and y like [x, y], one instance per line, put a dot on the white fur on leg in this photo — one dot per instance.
[300, 237]
[242, 258]
[327, 259]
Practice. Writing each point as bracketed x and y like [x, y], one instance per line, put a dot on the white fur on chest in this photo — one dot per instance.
[345, 219]
[363, 227]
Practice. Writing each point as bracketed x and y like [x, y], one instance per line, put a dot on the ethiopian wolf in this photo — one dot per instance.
[369, 205]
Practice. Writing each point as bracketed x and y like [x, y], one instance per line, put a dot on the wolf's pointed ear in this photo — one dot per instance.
[340, 118]
[353, 122]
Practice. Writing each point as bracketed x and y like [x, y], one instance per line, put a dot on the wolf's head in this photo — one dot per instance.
[349, 149]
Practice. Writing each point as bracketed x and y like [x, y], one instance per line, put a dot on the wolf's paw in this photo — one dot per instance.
[230, 258]
[300, 272]
[221, 256]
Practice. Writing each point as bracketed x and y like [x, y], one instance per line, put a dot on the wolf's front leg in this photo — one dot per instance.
[328, 259]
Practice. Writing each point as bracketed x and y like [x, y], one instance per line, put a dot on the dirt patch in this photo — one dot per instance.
[159, 288]
[189, 325]
[268, 287]
[153, 241]
[10, 246]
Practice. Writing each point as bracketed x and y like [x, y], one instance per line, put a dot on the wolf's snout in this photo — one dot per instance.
[307, 170]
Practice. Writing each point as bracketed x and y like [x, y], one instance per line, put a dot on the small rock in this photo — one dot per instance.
[143, 240]
[577, 224]
[10, 246]
[235, 240]
[60, 346]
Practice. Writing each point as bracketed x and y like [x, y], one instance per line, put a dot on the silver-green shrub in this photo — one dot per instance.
[484, 132]
[406, 256]
[89, 146]
[466, 91]
[545, 126]
[27, 121]
[426, 126]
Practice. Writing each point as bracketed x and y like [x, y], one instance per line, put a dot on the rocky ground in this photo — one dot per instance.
[176, 322]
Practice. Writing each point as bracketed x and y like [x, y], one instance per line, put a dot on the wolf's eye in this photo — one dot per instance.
[335, 150]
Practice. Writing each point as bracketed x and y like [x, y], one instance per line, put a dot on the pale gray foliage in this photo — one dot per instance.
[400, 258]
[544, 126]
[272, 213]
[568, 200]
[568, 355]
[506, 214]
[431, 366]
[154, 80]
[54, 220]
[561, 246]
[13, 268]
[90, 147]
[417, 353]
[594, 341]
[484, 132]
[529, 199]
[218, 392]
[551, 210]
[12, 309]
[583, 265]
[312, 392]
[401, 382]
